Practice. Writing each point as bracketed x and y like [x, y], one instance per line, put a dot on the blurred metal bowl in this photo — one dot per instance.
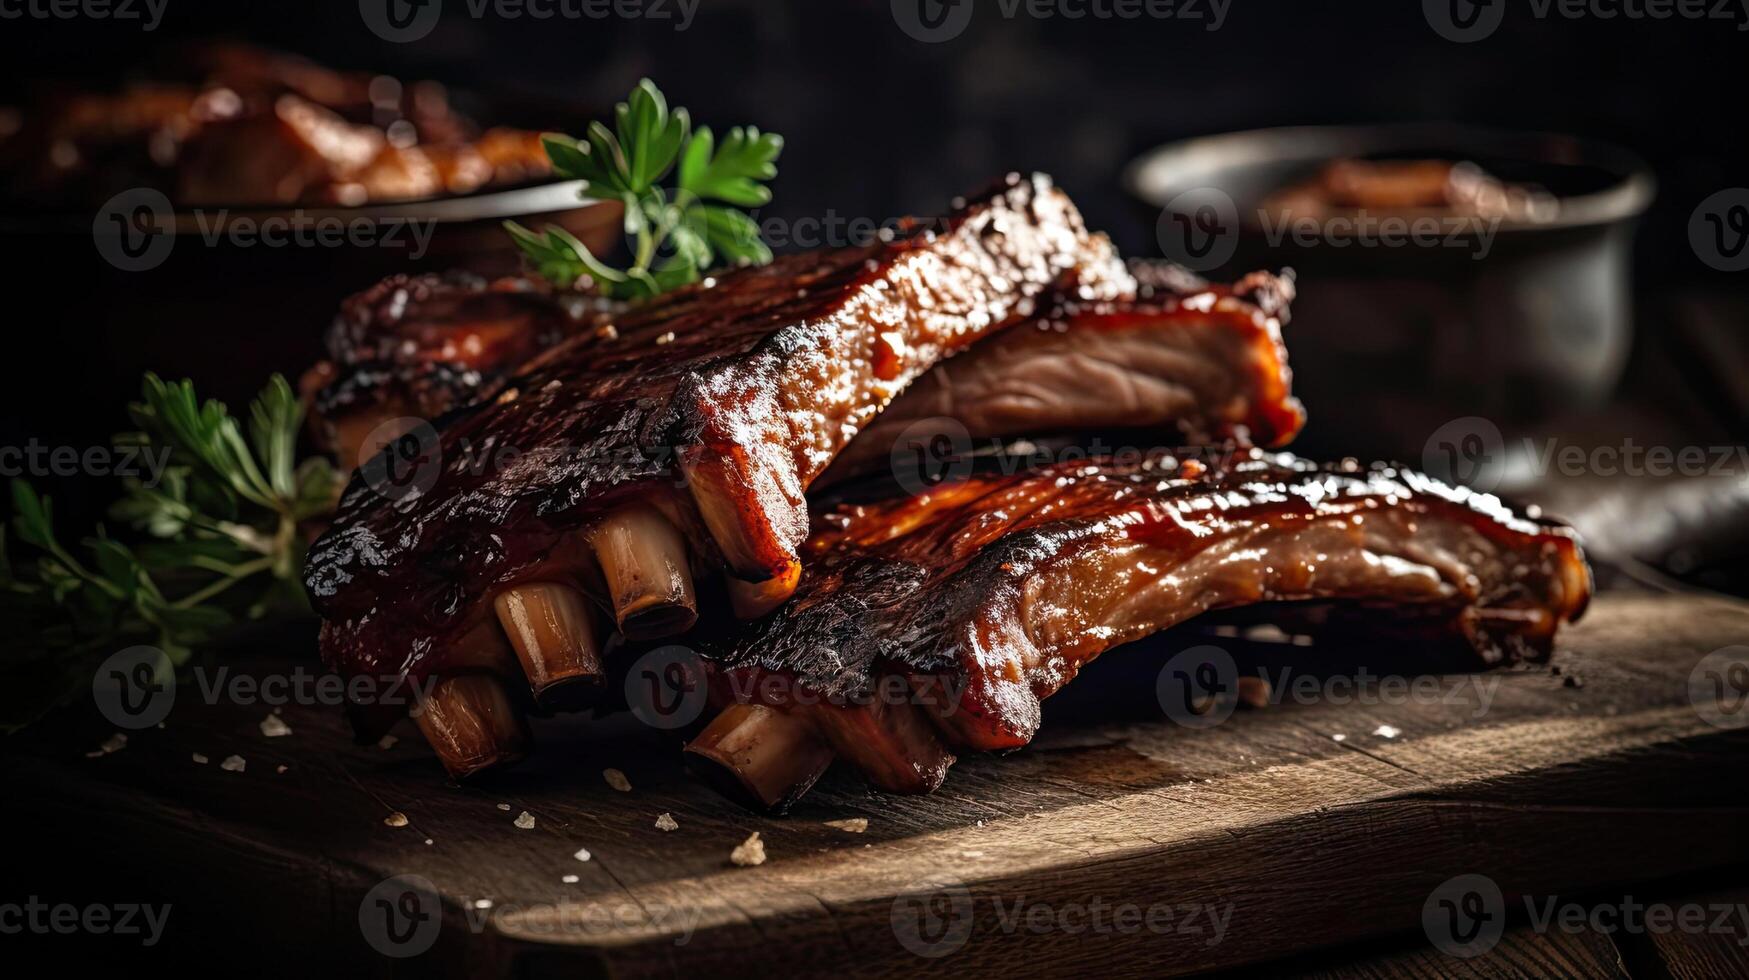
[1512, 322]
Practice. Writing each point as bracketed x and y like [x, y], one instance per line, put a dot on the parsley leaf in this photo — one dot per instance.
[676, 234]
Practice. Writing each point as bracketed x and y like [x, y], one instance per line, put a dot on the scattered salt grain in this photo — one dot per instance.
[854, 825]
[667, 822]
[273, 727]
[1387, 731]
[749, 852]
[281, 769]
[1339, 738]
[505, 807]
[429, 842]
[114, 743]
[200, 760]
[570, 879]
[524, 820]
[387, 742]
[233, 763]
[482, 903]
[582, 854]
[396, 819]
[667, 338]
[617, 780]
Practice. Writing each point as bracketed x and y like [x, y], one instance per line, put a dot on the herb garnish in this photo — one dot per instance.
[676, 233]
[225, 541]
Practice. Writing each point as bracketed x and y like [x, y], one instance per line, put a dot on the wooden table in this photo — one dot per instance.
[1121, 842]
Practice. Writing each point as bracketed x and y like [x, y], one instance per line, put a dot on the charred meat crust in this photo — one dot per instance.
[749, 382]
[424, 344]
[1011, 583]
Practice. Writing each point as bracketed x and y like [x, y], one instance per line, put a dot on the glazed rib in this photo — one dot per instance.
[713, 407]
[1186, 362]
[420, 345]
[989, 594]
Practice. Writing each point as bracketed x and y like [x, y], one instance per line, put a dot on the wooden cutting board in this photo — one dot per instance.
[1256, 838]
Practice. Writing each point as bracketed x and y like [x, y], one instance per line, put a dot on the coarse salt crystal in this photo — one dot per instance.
[482, 903]
[281, 769]
[569, 879]
[387, 742]
[200, 760]
[273, 727]
[854, 825]
[1339, 738]
[667, 822]
[396, 819]
[1387, 731]
[749, 852]
[617, 780]
[233, 763]
[524, 820]
[505, 807]
[582, 854]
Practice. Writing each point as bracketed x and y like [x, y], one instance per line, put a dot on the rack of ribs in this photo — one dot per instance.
[676, 439]
[415, 346]
[932, 624]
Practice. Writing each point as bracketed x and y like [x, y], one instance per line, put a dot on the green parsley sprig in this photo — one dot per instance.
[675, 233]
[223, 540]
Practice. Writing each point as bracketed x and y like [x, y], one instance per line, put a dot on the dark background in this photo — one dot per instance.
[878, 125]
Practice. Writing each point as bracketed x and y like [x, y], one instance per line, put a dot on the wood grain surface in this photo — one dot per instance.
[1120, 843]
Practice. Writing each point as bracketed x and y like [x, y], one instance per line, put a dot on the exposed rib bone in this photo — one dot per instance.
[649, 579]
[554, 634]
[472, 725]
[760, 755]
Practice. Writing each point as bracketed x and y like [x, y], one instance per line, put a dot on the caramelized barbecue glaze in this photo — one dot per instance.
[1010, 583]
[717, 404]
[420, 345]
